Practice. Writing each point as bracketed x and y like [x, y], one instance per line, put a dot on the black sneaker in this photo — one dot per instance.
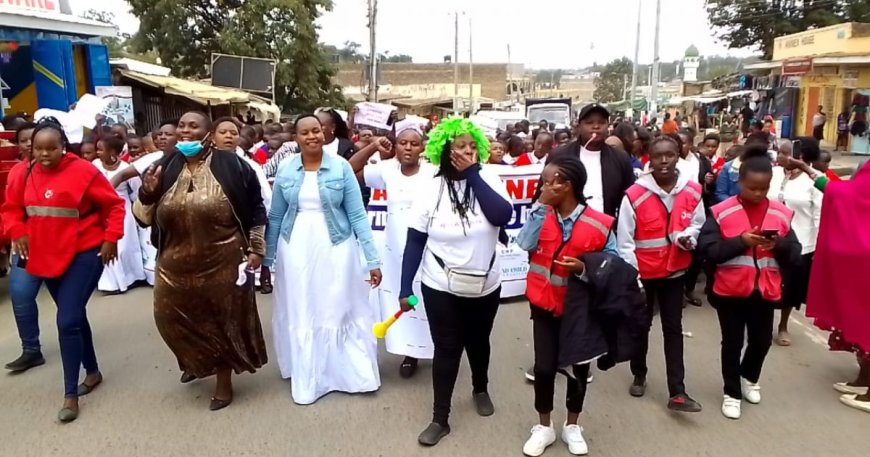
[408, 367]
[638, 387]
[433, 434]
[684, 404]
[26, 361]
[483, 404]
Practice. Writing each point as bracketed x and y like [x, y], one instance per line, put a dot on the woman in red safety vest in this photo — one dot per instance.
[559, 230]
[65, 220]
[659, 222]
[748, 237]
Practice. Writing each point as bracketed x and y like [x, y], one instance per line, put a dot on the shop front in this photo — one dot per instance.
[48, 57]
[829, 68]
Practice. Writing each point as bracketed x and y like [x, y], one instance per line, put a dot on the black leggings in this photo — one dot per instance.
[546, 329]
[748, 320]
[457, 324]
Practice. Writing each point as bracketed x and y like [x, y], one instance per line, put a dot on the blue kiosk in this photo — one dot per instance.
[49, 58]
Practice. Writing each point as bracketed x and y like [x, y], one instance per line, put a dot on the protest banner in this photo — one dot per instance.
[373, 115]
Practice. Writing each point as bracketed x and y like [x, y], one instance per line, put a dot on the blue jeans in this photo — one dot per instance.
[71, 292]
[23, 289]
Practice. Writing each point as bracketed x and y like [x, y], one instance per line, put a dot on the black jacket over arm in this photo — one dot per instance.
[237, 179]
[616, 173]
[603, 313]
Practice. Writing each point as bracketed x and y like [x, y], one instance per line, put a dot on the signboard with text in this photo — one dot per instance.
[798, 66]
[45, 6]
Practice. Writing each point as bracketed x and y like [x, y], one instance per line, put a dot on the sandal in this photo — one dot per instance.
[85, 388]
[408, 367]
[187, 377]
[265, 281]
[218, 404]
[782, 339]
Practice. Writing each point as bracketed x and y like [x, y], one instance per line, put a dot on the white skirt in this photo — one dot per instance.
[322, 319]
[410, 335]
[149, 253]
[128, 268]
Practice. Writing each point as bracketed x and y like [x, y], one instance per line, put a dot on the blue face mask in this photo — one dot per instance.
[189, 148]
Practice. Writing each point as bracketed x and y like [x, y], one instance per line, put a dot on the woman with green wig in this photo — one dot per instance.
[452, 239]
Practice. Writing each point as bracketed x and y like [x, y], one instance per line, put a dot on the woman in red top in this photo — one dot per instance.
[65, 220]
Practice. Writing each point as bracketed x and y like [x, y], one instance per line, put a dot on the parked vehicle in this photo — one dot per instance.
[554, 110]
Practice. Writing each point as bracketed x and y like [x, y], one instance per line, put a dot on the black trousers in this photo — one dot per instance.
[750, 318]
[545, 328]
[457, 324]
[669, 295]
[691, 277]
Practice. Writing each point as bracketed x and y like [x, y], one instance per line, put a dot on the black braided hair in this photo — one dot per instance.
[755, 160]
[51, 123]
[461, 204]
[571, 169]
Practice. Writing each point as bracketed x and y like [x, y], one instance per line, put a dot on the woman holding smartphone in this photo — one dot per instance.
[748, 237]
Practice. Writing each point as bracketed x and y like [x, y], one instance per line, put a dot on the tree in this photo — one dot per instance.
[610, 84]
[549, 78]
[185, 33]
[756, 23]
[118, 45]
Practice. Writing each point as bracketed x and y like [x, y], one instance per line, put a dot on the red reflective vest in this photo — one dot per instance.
[658, 256]
[547, 282]
[754, 269]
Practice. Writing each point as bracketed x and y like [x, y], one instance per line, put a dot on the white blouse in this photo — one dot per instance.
[801, 196]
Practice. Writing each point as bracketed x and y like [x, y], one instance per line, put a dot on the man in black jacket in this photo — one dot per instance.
[608, 171]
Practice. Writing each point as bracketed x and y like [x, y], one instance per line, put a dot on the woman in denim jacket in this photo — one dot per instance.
[322, 317]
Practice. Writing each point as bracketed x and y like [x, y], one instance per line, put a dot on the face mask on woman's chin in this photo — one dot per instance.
[189, 148]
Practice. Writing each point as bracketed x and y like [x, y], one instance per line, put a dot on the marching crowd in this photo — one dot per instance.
[622, 224]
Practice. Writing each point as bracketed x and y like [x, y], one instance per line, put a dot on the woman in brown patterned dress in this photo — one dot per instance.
[207, 219]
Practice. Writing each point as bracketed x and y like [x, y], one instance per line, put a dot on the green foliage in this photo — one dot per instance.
[756, 23]
[610, 84]
[350, 53]
[549, 78]
[185, 33]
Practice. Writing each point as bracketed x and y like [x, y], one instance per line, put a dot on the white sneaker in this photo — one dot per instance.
[751, 391]
[542, 437]
[845, 388]
[572, 435]
[590, 379]
[731, 408]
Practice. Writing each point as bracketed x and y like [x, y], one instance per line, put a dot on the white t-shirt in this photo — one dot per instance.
[802, 197]
[594, 190]
[690, 167]
[331, 148]
[469, 245]
[142, 163]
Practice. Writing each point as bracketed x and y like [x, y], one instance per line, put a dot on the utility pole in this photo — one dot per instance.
[510, 75]
[470, 72]
[373, 54]
[634, 67]
[456, 62]
[654, 90]
[625, 87]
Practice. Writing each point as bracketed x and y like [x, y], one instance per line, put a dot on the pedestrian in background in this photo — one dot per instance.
[795, 189]
[65, 220]
[453, 233]
[659, 223]
[748, 237]
[207, 217]
[23, 287]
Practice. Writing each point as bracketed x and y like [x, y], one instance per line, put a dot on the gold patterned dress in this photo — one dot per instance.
[207, 321]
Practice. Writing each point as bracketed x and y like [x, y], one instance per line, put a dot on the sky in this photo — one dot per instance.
[550, 34]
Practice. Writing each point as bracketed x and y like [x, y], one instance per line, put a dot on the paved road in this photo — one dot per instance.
[142, 410]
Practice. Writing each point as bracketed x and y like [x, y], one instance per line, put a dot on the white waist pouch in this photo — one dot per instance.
[465, 281]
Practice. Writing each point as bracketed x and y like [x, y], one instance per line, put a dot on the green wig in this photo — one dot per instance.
[450, 128]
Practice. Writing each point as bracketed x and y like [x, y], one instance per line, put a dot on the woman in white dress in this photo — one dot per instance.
[227, 137]
[796, 190]
[128, 268]
[400, 177]
[322, 317]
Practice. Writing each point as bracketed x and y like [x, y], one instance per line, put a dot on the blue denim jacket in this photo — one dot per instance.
[726, 183]
[341, 199]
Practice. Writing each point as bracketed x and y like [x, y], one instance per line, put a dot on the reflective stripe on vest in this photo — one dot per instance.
[556, 280]
[694, 192]
[51, 211]
[748, 261]
[641, 199]
[598, 225]
[727, 213]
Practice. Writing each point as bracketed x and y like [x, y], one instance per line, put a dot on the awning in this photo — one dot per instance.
[827, 59]
[55, 23]
[414, 102]
[139, 67]
[205, 94]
